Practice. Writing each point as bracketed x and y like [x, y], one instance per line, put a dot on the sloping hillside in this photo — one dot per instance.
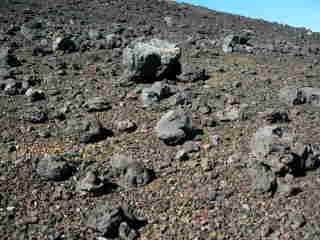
[145, 119]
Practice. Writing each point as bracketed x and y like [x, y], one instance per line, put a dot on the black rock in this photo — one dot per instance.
[38, 117]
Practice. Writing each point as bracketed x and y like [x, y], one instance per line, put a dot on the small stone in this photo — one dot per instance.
[65, 44]
[114, 221]
[12, 87]
[232, 42]
[38, 117]
[91, 183]
[264, 180]
[94, 133]
[266, 230]
[192, 73]
[182, 155]
[288, 190]
[54, 167]
[112, 41]
[235, 158]
[236, 84]
[121, 162]
[215, 195]
[266, 138]
[137, 175]
[126, 126]
[231, 113]
[277, 117]
[46, 133]
[215, 140]
[94, 34]
[204, 109]
[183, 97]
[191, 147]
[35, 94]
[206, 164]
[149, 98]
[174, 127]
[97, 104]
[162, 89]
[106, 219]
[209, 122]
[168, 20]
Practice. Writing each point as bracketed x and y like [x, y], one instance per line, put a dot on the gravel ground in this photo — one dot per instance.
[65, 93]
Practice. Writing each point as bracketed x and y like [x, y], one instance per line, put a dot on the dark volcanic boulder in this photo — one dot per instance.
[151, 61]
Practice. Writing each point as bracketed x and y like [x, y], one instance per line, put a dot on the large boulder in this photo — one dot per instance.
[174, 127]
[152, 60]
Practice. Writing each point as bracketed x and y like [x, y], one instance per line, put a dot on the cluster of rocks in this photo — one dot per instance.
[237, 42]
[119, 221]
[293, 95]
[107, 220]
[276, 153]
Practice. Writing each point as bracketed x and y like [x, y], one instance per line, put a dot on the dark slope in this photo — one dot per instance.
[148, 17]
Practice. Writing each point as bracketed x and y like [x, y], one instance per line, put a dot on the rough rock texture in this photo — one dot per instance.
[153, 60]
[174, 127]
[54, 168]
[111, 221]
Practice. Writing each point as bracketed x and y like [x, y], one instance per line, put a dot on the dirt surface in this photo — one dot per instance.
[210, 194]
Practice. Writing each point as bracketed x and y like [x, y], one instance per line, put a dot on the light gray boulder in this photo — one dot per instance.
[174, 127]
[151, 61]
